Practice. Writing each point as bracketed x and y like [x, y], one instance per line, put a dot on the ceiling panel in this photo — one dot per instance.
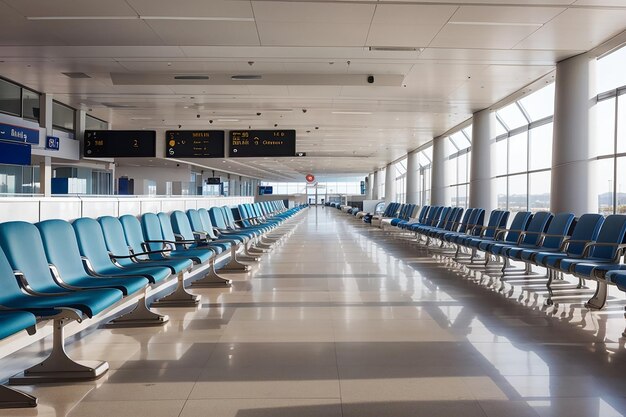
[481, 36]
[579, 29]
[38, 8]
[177, 65]
[496, 56]
[101, 32]
[193, 8]
[506, 14]
[312, 33]
[199, 32]
[274, 11]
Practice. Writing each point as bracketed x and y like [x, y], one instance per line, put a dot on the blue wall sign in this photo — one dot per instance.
[15, 153]
[19, 134]
[52, 143]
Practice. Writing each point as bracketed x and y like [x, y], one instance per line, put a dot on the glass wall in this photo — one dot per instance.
[400, 168]
[523, 150]
[382, 177]
[610, 139]
[16, 179]
[92, 123]
[424, 161]
[341, 186]
[18, 101]
[63, 117]
[458, 164]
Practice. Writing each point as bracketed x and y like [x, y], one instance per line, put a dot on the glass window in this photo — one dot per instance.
[540, 147]
[91, 123]
[621, 124]
[62, 116]
[611, 70]
[539, 192]
[460, 141]
[604, 143]
[512, 116]
[620, 206]
[518, 193]
[30, 105]
[501, 192]
[500, 129]
[518, 153]
[539, 104]
[604, 186]
[10, 98]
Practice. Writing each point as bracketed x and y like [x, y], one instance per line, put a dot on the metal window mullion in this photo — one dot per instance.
[524, 112]
[615, 158]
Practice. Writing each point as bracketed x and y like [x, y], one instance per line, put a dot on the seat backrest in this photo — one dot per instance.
[421, 218]
[466, 219]
[115, 239]
[152, 230]
[166, 226]
[24, 250]
[612, 231]
[195, 221]
[133, 232]
[91, 242]
[443, 218]
[434, 215]
[61, 246]
[586, 230]
[207, 225]
[519, 223]
[537, 225]
[494, 222]
[217, 217]
[10, 288]
[556, 232]
[181, 226]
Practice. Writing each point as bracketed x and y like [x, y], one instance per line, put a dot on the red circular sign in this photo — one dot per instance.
[310, 178]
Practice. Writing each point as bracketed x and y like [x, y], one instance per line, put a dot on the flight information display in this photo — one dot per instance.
[194, 144]
[261, 143]
[120, 144]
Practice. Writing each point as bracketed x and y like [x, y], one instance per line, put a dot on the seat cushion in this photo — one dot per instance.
[12, 322]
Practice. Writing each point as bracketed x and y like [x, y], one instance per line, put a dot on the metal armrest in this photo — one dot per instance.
[25, 286]
[500, 232]
[619, 248]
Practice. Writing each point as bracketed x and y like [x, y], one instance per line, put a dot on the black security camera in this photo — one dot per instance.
[303, 110]
[275, 124]
[179, 126]
[210, 121]
[370, 79]
[317, 127]
[198, 116]
[258, 114]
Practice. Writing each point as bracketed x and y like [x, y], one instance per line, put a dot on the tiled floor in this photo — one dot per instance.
[341, 320]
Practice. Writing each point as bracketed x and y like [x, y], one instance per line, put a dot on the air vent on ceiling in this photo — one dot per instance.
[118, 106]
[75, 74]
[191, 77]
[246, 77]
[395, 48]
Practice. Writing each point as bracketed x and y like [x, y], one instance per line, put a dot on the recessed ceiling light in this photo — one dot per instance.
[227, 120]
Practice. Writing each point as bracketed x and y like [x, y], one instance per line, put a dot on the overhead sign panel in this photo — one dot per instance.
[19, 134]
[13, 153]
[120, 144]
[194, 144]
[261, 143]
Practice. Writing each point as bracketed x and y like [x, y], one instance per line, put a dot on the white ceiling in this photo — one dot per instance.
[468, 55]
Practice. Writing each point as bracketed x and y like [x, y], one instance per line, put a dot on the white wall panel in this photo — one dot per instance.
[129, 207]
[19, 209]
[96, 207]
[57, 208]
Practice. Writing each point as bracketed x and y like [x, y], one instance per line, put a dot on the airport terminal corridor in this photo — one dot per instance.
[339, 320]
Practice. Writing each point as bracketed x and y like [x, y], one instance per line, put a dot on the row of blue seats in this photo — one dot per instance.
[589, 247]
[61, 271]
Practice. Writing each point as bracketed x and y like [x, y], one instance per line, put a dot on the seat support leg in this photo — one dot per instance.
[10, 398]
[212, 279]
[59, 367]
[140, 316]
[179, 298]
[233, 264]
[599, 297]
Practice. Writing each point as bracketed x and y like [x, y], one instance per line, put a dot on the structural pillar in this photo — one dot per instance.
[390, 184]
[45, 167]
[375, 184]
[573, 179]
[482, 192]
[440, 193]
[412, 178]
[370, 187]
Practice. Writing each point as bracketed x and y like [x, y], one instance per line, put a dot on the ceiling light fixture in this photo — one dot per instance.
[227, 120]
[496, 24]
[184, 18]
[352, 112]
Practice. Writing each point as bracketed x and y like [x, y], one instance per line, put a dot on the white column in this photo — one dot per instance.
[482, 193]
[370, 184]
[390, 184]
[572, 188]
[45, 167]
[412, 178]
[440, 194]
[375, 184]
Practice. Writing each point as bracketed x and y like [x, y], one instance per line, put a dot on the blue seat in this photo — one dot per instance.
[551, 240]
[505, 236]
[12, 322]
[62, 252]
[93, 246]
[199, 225]
[527, 235]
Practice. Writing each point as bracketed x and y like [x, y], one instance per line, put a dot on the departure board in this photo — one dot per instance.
[120, 144]
[261, 143]
[194, 144]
